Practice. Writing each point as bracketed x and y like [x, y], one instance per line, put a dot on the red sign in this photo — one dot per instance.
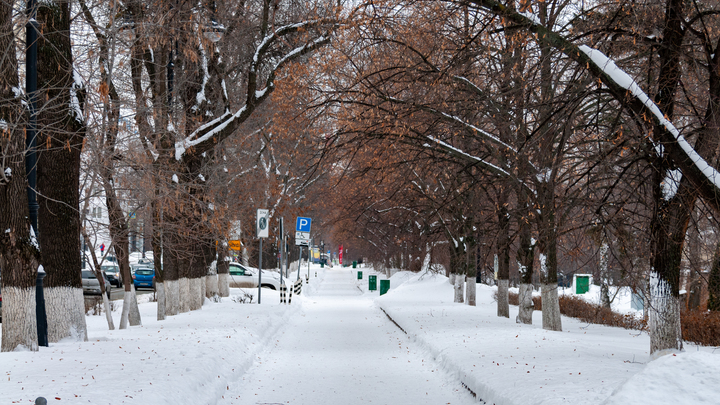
[340, 255]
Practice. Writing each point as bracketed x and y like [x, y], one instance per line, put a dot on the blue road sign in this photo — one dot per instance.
[303, 224]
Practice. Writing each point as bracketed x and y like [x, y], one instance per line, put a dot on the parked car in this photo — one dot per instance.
[247, 277]
[112, 271]
[144, 277]
[91, 285]
[146, 265]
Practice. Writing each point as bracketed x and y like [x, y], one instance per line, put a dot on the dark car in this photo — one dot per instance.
[112, 271]
[144, 277]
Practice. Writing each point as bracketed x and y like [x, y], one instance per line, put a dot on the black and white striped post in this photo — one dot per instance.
[283, 294]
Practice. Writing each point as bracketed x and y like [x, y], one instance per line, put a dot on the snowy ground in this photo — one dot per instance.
[335, 345]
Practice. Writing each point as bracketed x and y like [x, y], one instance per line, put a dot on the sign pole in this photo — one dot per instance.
[260, 272]
[299, 261]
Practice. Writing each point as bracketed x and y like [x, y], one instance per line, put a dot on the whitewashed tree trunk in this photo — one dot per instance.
[65, 308]
[160, 295]
[245, 257]
[470, 291]
[526, 305]
[451, 279]
[196, 294]
[426, 262]
[108, 312]
[172, 299]
[134, 315]
[203, 289]
[19, 326]
[459, 281]
[604, 277]
[130, 312]
[224, 284]
[184, 295]
[211, 285]
[663, 318]
[551, 319]
[503, 304]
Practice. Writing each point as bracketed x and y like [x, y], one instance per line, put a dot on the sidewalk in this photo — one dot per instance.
[506, 363]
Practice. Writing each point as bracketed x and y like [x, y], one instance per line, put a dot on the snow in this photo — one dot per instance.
[670, 183]
[3, 125]
[625, 81]
[8, 172]
[74, 101]
[334, 344]
[175, 178]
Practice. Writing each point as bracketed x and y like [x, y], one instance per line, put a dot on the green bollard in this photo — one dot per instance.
[384, 286]
[372, 283]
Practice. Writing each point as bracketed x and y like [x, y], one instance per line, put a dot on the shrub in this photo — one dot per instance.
[576, 307]
[701, 327]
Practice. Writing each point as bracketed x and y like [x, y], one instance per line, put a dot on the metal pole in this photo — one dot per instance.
[308, 275]
[299, 261]
[260, 271]
[40, 314]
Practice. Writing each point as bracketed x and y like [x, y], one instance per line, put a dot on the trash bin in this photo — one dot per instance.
[372, 283]
[384, 286]
[322, 265]
[354, 264]
[582, 283]
[359, 275]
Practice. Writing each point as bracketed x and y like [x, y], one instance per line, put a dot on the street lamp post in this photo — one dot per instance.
[31, 30]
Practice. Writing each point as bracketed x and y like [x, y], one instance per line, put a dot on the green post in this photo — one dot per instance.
[359, 275]
[372, 283]
[384, 286]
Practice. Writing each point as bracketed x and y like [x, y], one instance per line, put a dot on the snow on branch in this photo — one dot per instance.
[223, 126]
[622, 79]
[625, 90]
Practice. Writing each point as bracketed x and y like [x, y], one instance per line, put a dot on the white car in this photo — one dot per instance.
[247, 277]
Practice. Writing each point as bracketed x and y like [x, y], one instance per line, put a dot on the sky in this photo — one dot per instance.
[340, 343]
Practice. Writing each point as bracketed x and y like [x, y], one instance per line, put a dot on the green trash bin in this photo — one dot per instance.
[582, 283]
[384, 286]
[322, 265]
[372, 283]
[359, 275]
[354, 264]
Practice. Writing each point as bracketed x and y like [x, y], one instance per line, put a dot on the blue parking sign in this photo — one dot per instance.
[303, 224]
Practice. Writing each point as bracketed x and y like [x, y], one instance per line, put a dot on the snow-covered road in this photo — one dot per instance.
[342, 349]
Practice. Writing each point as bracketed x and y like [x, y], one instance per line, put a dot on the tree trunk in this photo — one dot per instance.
[604, 277]
[503, 270]
[161, 300]
[62, 132]
[526, 257]
[18, 250]
[459, 284]
[223, 267]
[470, 290]
[525, 304]
[714, 282]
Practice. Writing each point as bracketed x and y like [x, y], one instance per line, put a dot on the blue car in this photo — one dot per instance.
[144, 278]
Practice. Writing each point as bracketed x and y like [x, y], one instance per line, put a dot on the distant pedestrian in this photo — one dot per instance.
[102, 249]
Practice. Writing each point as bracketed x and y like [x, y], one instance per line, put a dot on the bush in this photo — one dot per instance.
[578, 308]
[701, 327]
